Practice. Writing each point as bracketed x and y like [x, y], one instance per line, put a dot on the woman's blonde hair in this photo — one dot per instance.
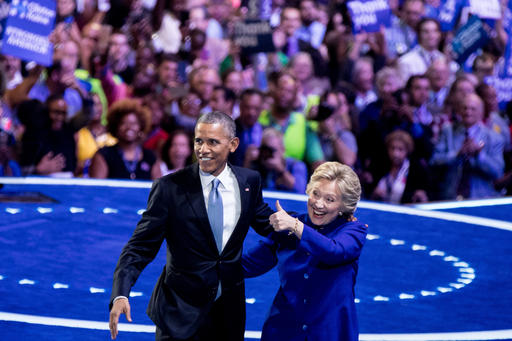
[346, 180]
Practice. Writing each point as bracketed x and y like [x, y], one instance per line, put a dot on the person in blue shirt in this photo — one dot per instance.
[316, 255]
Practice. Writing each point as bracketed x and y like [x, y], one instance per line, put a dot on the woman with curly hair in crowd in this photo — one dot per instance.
[128, 121]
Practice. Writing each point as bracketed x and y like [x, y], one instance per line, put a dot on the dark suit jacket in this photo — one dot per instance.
[188, 284]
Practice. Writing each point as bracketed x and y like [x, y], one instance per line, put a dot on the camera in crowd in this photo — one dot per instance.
[324, 112]
[266, 152]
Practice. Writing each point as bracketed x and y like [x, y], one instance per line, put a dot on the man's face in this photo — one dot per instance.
[484, 68]
[212, 145]
[419, 91]
[250, 109]
[438, 75]
[11, 66]
[412, 12]
[364, 78]
[91, 37]
[307, 11]
[302, 67]
[197, 19]
[290, 21]
[286, 92]
[429, 36]
[472, 110]
[68, 57]
[167, 72]
[234, 82]
[463, 88]
[119, 48]
[206, 82]
[218, 102]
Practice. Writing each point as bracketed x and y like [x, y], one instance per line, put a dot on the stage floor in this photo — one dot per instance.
[429, 272]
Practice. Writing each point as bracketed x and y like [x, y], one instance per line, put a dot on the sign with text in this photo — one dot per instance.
[253, 36]
[27, 29]
[468, 39]
[488, 9]
[502, 86]
[369, 15]
[258, 9]
[449, 11]
[4, 13]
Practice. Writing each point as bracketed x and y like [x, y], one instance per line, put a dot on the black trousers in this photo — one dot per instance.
[222, 323]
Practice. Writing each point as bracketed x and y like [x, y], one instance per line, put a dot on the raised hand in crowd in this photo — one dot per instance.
[51, 164]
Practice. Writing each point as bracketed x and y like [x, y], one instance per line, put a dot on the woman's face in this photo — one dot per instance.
[129, 128]
[180, 147]
[324, 202]
[57, 111]
[397, 152]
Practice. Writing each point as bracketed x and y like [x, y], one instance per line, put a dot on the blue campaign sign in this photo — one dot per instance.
[449, 12]
[369, 15]
[468, 39]
[27, 29]
[4, 13]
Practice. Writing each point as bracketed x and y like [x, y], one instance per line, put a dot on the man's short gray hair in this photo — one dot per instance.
[218, 117]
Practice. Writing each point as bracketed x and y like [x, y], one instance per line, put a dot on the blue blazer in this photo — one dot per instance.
[315, 300]
[187, 287]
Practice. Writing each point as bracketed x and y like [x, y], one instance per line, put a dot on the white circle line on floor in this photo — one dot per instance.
[504, 225]
[141, 328]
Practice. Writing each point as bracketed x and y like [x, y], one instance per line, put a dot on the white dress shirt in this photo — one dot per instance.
[230, 193]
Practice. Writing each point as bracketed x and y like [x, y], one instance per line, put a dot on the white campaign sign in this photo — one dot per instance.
[488, 9]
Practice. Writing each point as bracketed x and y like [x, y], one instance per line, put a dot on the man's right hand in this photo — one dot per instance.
[121, 306]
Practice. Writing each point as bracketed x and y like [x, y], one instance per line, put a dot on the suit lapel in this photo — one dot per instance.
[194, 192]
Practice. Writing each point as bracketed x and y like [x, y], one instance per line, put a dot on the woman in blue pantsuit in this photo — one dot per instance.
[317, 258]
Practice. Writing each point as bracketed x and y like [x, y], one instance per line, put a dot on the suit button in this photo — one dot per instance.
[304, 327]
[305, 301]
[306, 275]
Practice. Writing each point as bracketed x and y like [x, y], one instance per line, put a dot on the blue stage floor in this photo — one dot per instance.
[426, 273]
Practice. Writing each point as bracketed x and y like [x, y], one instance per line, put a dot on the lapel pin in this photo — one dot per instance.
[247, 189]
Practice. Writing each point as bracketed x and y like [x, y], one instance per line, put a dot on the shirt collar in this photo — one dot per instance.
[207, 178]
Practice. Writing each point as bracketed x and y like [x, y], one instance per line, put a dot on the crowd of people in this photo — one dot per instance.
[129, 80]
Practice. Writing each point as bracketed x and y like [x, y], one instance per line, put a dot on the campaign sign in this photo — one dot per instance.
[4, 13]
[449, 11]
[468, 39]
[502, 87]
[254, 36]
[488, 9]
[27, 29]
[259, 9]
[369, 15]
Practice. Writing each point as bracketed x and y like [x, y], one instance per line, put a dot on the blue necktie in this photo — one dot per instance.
[215, 213]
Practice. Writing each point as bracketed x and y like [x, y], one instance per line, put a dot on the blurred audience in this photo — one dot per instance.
[333, 92]
[277, 171]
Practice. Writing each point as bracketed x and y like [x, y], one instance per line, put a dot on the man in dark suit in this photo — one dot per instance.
[203, 212]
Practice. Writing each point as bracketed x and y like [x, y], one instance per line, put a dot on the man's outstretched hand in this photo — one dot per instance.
[121, 306]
